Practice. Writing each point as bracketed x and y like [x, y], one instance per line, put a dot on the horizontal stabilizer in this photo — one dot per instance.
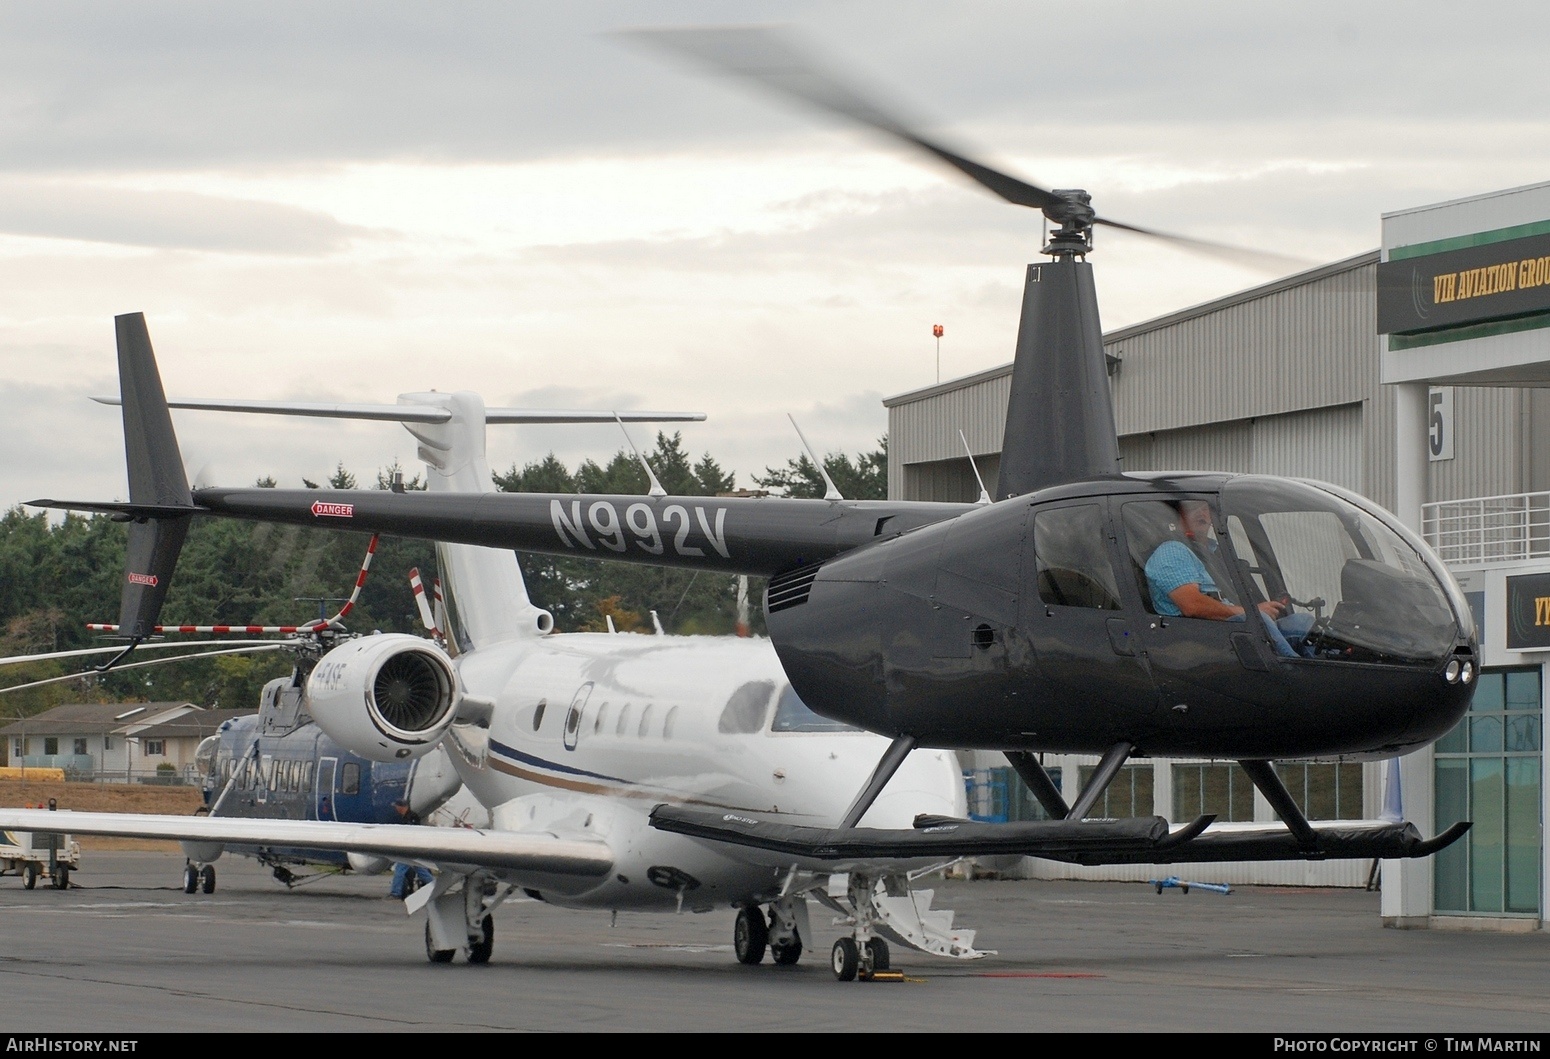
[402, 413]
[125, 512]
[1139, 840]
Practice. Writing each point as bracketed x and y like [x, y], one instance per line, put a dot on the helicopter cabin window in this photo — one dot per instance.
[350, 778]
[1071, 549]
[794, 715]
[745, 710]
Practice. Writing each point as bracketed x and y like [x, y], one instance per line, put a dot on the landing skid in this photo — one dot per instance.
[1140, 840]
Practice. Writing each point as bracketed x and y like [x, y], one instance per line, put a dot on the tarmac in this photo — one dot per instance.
[125, 951]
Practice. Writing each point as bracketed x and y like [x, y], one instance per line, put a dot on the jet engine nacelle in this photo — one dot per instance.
[386, 697]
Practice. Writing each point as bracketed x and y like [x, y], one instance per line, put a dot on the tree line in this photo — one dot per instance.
[57, 576]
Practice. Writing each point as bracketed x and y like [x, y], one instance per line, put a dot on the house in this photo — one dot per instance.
[113, 740]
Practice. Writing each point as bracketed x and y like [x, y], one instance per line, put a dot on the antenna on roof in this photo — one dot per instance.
[656, 486]
[984, 495]
[831, 491]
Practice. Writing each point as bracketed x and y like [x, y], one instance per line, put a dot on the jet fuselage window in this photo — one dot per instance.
[667, 723]
[745, 711]
[645, 721]
[538, 713]
[793, 715]
[350, 779]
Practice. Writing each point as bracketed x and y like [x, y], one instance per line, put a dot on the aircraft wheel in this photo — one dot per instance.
[30, 875]
[788, 953]
[207, 878]
[880, 955]
[190, 879]
[750, 935]
[845, 959]
[434, 954]
[480, 949]
[61, 878]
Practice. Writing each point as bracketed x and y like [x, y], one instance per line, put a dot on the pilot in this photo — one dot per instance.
[1182, 586]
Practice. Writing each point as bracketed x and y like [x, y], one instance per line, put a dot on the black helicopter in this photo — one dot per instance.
[1034, 623]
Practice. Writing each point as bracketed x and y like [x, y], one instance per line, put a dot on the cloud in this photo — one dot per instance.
[167, 219]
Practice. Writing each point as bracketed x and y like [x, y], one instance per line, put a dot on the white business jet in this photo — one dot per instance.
[569, 740]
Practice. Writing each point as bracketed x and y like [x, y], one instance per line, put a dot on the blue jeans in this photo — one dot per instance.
[401, 879]
[1286, 634]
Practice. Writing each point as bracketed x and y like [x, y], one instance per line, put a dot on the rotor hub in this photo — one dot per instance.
[1073, 212]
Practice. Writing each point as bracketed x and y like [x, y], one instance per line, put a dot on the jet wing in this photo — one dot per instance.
[1140, 840]
[541, 857]
[763, 535]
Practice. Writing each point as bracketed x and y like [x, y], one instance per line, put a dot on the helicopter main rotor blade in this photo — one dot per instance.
[251, 649]
[1242, 255]
[777, 61]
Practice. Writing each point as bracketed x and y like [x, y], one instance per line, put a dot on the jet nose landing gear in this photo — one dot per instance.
[867, 960]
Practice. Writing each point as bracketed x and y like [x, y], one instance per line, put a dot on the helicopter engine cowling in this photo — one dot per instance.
[386, 697]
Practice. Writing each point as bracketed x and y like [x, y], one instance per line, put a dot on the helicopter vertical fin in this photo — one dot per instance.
[156, 478]
[1060, 418]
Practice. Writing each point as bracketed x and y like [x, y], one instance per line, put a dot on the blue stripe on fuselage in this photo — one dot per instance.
[538, 762]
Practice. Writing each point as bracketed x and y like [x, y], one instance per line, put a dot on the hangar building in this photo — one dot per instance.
[1418, 375]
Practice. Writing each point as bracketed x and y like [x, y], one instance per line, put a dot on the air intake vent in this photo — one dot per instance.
[790, 589]
[411, 692]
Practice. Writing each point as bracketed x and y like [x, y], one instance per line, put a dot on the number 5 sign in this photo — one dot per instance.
[1439, 423]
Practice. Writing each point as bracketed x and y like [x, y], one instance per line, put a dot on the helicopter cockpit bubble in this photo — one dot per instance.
[204, 756]
[1375, 592]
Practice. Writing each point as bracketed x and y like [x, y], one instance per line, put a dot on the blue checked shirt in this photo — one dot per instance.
[1172, 566]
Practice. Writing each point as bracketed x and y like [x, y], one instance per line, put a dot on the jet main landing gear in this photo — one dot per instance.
[460, 920]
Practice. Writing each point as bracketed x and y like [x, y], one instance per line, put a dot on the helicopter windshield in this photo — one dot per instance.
[204, 757]
[794, 715]
[1372, 594]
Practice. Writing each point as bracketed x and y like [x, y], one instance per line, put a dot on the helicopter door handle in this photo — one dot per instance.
[1120, 637]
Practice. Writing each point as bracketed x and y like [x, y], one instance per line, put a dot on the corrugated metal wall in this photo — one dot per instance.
[1282, 380]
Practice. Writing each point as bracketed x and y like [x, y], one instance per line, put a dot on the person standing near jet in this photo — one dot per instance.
[402, 871]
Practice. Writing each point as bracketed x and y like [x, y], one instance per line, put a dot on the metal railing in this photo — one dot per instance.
[1489, 529]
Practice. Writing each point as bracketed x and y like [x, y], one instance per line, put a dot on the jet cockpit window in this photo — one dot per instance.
[745, 711]
[1071, 550]
[793, 715]
[1366, 594]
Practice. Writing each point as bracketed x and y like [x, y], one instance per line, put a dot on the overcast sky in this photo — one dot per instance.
[338, 201]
